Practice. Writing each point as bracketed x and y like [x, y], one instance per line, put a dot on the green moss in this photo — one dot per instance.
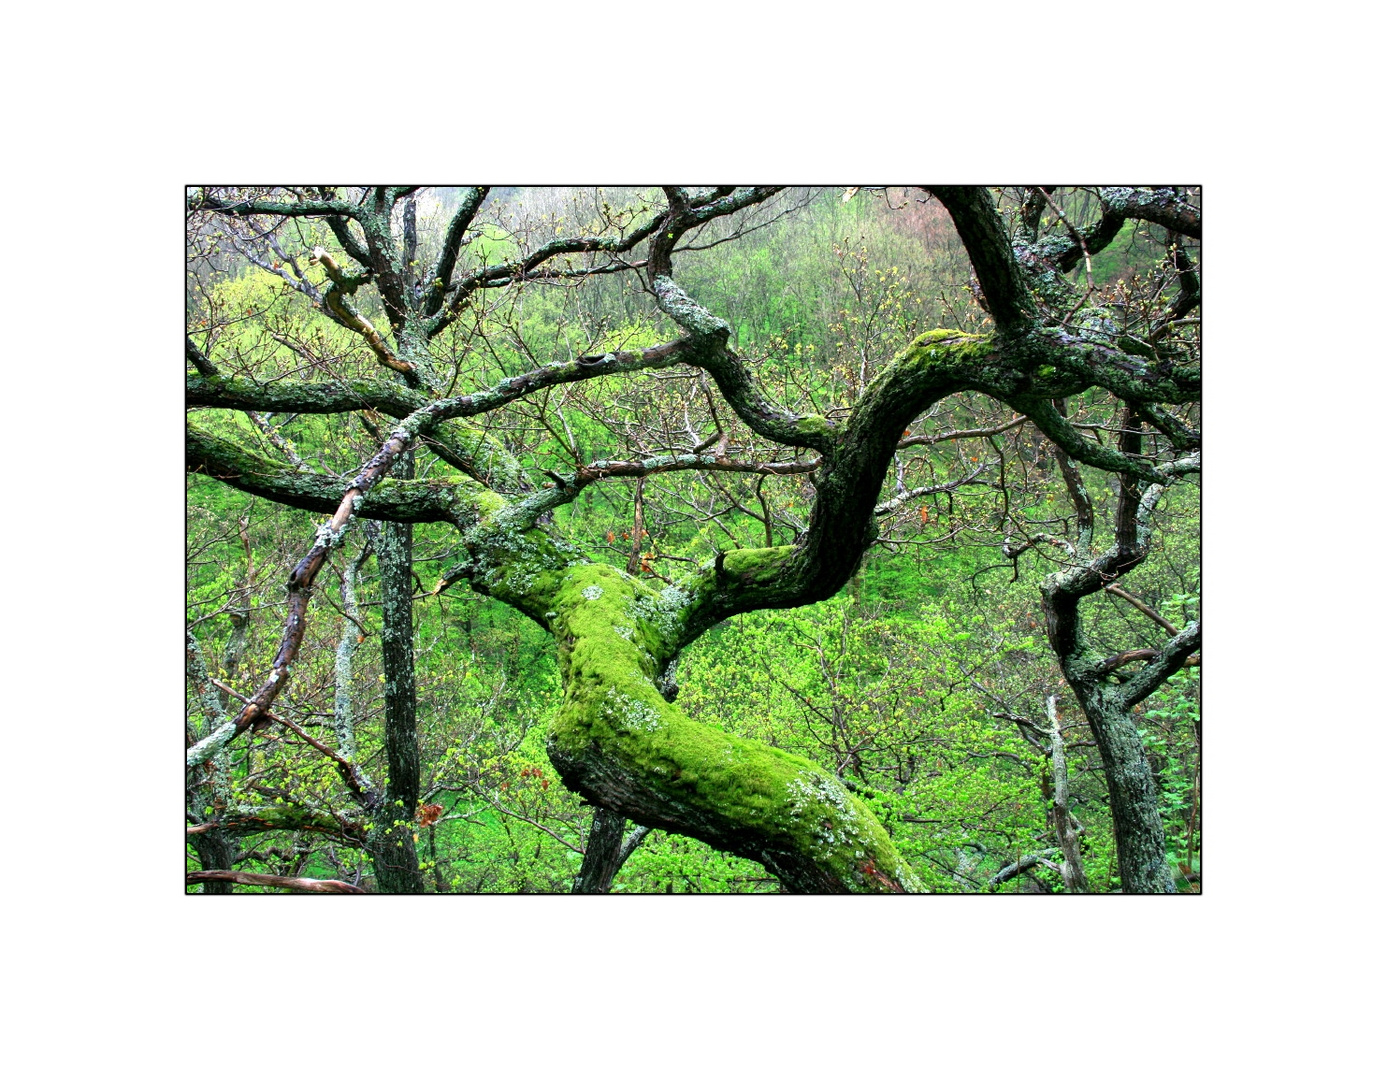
[615, 635]
[814, 424]
[757, 566]
[940, 345]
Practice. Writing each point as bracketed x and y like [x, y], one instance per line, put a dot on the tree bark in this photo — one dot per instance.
[1133, 794]
[1133, 798]
[391, 842]
[208, 780]
[608, 849]
[1072, 870]
[600, 860]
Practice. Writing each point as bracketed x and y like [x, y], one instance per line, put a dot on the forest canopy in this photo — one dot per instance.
[693, 539]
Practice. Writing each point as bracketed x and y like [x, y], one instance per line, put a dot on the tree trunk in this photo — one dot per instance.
[1106, 700]
[391, 842]
[600, 861]
[607, 851]
[215, 852]
[208, 785]
[1133, 796]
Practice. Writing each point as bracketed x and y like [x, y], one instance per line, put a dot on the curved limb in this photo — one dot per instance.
[617, 741]
[1159, 206]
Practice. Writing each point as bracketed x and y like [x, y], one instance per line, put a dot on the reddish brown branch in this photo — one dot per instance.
[1165, 624]
[1112, 663]
[301, 580]
[274, 881]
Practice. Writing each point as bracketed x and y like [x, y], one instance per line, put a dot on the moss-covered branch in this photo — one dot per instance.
[465, 446]
[257, 819]
[339, 396]
[622, 745]
[848, 483]
[388, 500]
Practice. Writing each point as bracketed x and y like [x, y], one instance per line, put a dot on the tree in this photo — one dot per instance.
[1108, 698]
[471, 461]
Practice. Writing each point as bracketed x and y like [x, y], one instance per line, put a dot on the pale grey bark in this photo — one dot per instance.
[344, 701]
[1072, 869]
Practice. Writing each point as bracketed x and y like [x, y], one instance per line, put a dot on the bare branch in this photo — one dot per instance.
[970, 433]
[1167, 661]
[1151, 613]
[273, 881]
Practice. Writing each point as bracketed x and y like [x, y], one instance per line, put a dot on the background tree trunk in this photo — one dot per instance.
[1075, 881]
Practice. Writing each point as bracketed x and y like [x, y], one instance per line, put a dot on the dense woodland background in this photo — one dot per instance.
[926, 685]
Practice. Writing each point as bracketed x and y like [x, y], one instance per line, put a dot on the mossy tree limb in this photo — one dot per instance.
[622, 745]
[618, 741]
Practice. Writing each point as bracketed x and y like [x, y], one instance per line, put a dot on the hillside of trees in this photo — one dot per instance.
[693, 540]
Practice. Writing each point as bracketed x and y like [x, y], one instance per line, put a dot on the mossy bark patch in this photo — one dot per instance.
[620, 743]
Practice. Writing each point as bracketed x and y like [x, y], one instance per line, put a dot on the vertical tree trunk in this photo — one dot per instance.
[1133, 796]
[208, 783]
[215, 851]
[391, 842]
[1132, 791]
[601, 860]
[607, 851]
